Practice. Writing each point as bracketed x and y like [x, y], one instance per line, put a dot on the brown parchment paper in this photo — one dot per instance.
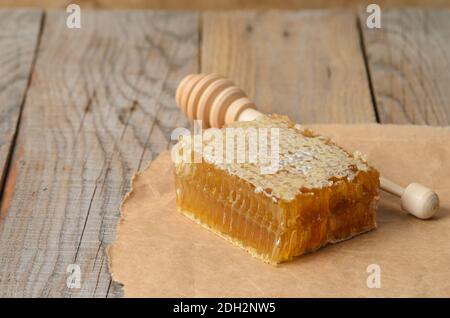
[160, 253]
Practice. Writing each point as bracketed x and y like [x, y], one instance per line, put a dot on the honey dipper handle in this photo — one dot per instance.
[391, 187]
[217, 101]
[418, 200]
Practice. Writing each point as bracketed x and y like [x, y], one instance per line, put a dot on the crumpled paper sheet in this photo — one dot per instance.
[160, 253]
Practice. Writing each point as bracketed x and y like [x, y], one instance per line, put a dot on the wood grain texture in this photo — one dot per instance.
[409, 64]
[19, 33]
[308, 65]
[99, 107]
[221, 4]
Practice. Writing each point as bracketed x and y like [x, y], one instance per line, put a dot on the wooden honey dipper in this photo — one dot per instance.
[217, 101]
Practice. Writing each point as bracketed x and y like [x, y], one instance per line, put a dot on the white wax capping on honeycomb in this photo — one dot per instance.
[306, 161]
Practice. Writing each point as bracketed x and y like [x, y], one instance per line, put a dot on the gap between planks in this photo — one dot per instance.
[409, 63]
[19, 99]
[308, 64]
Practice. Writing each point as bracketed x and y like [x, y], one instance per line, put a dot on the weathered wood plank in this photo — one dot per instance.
[99, 106]
[221, 4]
[409, 64]
[308, 65]
[19, 33]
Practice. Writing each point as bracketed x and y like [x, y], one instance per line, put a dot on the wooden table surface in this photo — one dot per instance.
[83, 109]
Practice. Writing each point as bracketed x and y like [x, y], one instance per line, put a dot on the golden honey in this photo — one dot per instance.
[319, 193]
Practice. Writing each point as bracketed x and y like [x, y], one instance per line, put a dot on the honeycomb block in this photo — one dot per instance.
[318, 193]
